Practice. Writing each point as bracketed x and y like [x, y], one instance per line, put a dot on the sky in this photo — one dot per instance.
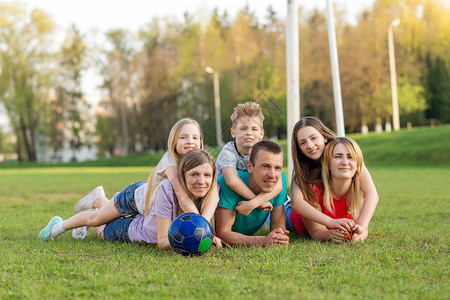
[101, 15]
[131, 14]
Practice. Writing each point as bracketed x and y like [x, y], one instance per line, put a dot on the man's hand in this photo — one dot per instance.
[277, 236]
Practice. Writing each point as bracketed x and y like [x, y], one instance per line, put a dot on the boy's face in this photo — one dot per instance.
[247, 131]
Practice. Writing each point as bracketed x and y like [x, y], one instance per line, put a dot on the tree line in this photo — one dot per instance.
[152, 77]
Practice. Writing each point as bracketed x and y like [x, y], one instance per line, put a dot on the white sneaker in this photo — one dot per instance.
[88, 201]
[81, 232]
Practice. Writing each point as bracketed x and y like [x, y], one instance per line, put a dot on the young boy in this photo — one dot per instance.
[247, 129]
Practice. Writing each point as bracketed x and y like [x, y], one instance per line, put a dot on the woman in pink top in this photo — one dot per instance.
[339, 196]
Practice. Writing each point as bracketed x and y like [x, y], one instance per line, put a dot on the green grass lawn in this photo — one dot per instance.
[405, 256]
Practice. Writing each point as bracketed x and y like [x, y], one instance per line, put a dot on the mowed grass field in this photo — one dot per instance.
[405, 256]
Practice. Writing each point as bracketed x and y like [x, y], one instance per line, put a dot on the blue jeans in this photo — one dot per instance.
[287, 210]
[124, 200]
[117, 230]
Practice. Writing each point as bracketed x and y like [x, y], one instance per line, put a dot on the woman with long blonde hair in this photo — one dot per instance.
[309, 138]
[339, 196]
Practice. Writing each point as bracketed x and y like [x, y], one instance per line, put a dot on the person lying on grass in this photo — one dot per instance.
[264, 171]
[197, 174]
[340, 195]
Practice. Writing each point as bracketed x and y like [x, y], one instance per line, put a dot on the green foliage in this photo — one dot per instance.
[25, 74]
[437, 88]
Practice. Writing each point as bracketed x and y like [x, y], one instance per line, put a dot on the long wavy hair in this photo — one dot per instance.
[354, 196]
[189, 161]
[155, 179]
[307, 171]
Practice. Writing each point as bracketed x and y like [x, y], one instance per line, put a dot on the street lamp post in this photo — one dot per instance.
[395, 113]
[216, 105]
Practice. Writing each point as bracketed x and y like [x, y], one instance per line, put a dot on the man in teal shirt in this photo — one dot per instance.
[264, 170]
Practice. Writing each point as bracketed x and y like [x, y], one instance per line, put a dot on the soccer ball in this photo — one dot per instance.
[190, 234]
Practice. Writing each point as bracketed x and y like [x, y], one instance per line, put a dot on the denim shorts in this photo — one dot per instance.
[288, 211]
[117, 230]
[124, 200]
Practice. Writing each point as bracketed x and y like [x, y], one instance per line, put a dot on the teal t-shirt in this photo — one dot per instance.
[247, 225]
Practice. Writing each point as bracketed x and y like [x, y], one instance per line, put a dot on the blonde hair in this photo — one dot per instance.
[307, 171]
[189, 161]
[247, 109]
[155, 179]
[354, 196]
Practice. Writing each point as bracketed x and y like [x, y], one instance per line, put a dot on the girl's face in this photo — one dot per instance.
[311, 142]
[189, 139]
[342, 164]
[199, 179]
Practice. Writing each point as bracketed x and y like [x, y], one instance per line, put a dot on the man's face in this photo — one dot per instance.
[266, 171]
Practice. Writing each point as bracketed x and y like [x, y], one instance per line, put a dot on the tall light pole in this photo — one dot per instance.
[292, 77]
[395, 113]
[335, 71]
[216, 105]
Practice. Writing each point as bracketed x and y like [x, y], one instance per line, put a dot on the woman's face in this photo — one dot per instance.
[342, 164]
[189, 139]
[311, 142]
[199, 179]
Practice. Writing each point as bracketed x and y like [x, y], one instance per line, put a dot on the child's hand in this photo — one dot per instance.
[245, 207]
[278, 187]
[338, 235]
[266, 206]
[342, 224]
[359, 229]
[217, 242]
[360, 237]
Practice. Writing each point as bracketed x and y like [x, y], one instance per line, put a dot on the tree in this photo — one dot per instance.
[116, 69]
[25, 73]
[69, 117]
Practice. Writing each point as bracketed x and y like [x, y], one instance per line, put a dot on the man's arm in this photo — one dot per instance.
[278, 218]
[225, 220]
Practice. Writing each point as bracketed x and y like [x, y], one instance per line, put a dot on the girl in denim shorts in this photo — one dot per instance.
[95, 209]
[197, 173]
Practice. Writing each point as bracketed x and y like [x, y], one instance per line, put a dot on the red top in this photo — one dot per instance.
[340, 211]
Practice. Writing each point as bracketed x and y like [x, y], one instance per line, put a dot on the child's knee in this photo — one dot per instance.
[94, 219]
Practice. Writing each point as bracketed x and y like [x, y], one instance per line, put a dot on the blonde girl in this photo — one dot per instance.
[309, 138]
